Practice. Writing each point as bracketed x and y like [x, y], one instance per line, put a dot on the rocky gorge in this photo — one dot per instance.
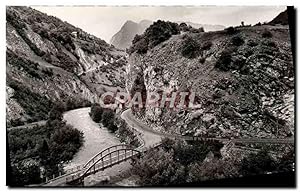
[243, 78]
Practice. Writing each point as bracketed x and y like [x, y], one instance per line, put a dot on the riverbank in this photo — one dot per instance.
[96, 138]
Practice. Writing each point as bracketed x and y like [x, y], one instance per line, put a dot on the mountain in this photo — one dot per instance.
[122, 39]
[243, 80]
[282, 19]
[49, 61]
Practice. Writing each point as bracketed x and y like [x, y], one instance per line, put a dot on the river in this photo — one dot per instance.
[96, 139]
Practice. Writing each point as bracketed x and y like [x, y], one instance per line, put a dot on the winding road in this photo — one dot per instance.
[152, 136]
[97, 139]
[148, 136]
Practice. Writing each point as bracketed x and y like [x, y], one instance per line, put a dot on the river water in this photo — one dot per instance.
[96, 139]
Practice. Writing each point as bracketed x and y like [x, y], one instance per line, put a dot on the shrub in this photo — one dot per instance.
[191, 48]
[193, 30]
[252, 43]
[167, 144]
[269, 43]
[266, 34]
[141, 44]
[57, 112]
[158, 167]
[35, 105]
[183, 27]
[125, 134]
[108, 117]
[65, 62]
[15, 122]
[47, 57]
[28, 66]
[258, 24]
[202, 60]
[96, 113]
[230, 30]
[22, 175]
[172, 162]
[48, 72]
[224, 61]
[258, 163]
[112, 127]
[48, 146]
[206, 45]
[201, 29]
[74, 103]
[237, 40]
[186, 154]
[268, 47]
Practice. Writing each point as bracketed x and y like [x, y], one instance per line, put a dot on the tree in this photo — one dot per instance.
[186, 154]
[108, 117]
[258, 163]
[96, 113]
[112, 127]
[157, 33]
[167, 144]
[57, 112]
[157, 168]
[287, 162]
[25, 174]
[214, 169]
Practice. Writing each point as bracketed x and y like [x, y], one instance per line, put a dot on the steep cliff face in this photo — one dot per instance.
[243, 79]
[49, 60]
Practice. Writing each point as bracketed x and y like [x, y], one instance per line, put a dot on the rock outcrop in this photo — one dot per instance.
[243, 79]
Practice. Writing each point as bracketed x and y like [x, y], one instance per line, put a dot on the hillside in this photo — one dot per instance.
[282, 19]
[243, 79]
[206, 27]
[50, 61]
[122, 39]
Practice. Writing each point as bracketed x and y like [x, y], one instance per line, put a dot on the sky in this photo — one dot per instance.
[105, 21]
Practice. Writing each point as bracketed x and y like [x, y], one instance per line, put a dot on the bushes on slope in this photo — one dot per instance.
[158, 32]
[191, 48]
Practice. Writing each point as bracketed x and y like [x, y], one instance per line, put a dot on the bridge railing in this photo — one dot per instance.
[104, 152]
[107, 160]
[74, 169]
